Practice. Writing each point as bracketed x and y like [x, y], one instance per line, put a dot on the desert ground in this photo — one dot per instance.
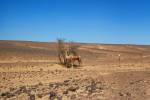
[31, 71]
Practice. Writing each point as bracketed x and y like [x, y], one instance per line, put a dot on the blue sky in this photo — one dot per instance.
[94, 21]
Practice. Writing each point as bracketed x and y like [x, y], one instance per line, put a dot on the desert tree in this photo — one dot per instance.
[73, 48]
[61, 50]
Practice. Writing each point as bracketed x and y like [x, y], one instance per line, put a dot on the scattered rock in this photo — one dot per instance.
[121, 94]
[128, 94]
[73, 88]
[39, 95]
[65, 92]
[59, 97]
[52, 95]
[41, 69]
[23, 89]
[40, 83]
[32, 97]
[73, 97]
[8, 94]
[92, 87]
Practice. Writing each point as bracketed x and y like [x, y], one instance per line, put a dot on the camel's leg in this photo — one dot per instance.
[72, 64]
[80, 62]
[67, 63]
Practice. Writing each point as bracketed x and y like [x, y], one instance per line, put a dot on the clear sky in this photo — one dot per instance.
[99, 21]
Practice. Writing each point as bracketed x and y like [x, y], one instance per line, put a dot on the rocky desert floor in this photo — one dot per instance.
[31, 71]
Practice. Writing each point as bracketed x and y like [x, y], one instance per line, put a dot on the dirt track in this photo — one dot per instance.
[30, 69]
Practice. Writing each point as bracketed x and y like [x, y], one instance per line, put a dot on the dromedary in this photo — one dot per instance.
[67, 55]
[70, 58]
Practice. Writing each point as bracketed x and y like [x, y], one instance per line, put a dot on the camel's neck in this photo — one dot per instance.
[66, 54]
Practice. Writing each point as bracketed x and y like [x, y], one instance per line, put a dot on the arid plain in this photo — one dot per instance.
[31, 70]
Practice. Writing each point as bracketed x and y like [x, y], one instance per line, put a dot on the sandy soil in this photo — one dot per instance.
[31, 71]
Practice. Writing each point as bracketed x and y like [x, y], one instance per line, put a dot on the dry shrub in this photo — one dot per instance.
[61, 50]
[73, 48]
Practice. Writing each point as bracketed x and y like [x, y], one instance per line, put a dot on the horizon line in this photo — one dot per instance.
[102, 43]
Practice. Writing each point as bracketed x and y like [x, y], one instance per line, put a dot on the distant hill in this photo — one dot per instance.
[90, 53]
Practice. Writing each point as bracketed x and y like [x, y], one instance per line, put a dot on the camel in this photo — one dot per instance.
[70, 59]
[67, 55]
